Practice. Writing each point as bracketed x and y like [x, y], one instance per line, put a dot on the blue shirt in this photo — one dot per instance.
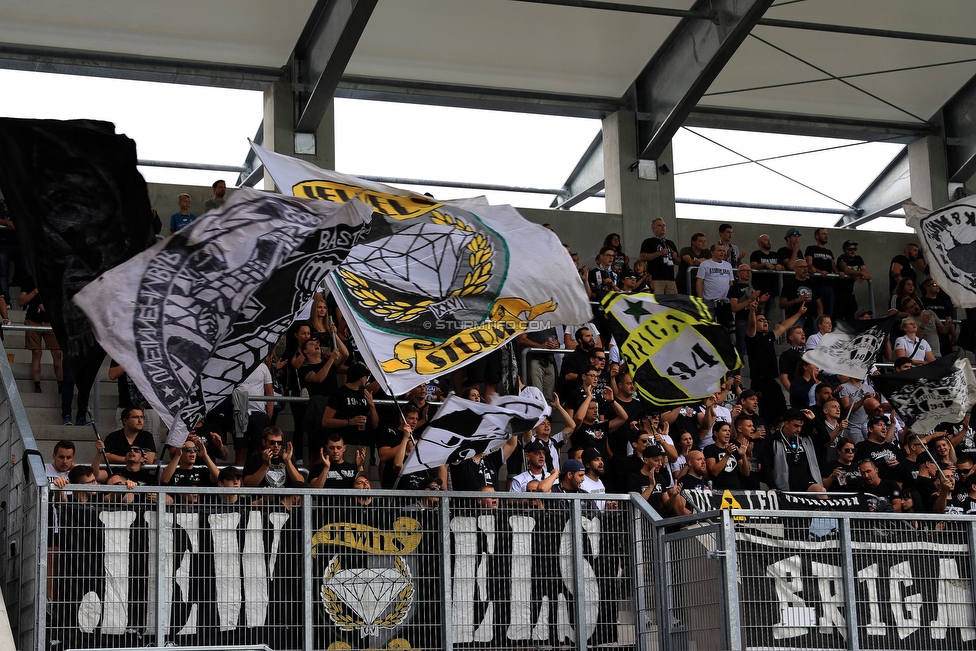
[178, 221]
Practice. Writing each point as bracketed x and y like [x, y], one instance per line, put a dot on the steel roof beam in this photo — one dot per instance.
[586, 179]
[322, 53]
[674, 80]
[137, 68]
[958, 117]
[884, 195]
[477, 97]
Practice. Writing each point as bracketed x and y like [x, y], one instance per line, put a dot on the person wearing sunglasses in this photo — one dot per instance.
[855, 271]
[190, 465]
[842, 473]
[272, 467]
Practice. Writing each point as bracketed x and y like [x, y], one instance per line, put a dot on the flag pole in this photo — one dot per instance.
[403, 419]
[91, 421]
[931, 456]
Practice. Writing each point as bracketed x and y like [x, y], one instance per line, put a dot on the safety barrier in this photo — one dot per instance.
[23, 517]
[311, 569]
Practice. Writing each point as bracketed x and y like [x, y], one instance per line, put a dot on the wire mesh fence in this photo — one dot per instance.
[337, 570]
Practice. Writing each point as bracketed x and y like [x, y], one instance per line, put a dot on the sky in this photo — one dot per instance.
[211, 125]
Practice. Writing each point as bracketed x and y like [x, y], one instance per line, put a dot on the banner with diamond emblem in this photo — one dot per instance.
[435, 285]
[675, 350]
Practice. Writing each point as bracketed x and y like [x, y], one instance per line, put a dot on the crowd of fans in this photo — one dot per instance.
[790, 427]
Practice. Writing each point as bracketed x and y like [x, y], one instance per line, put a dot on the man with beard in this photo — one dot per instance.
[592, 483]
[217, 201]
[820, 260]
[661, 256]
[580, 356]
[887, 492]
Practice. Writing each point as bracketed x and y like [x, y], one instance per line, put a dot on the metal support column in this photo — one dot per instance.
[847, 575]
[731, 584]
[578, 578]
[447, 618]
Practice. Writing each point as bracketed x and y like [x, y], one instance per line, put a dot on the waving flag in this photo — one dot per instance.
[948, 238]
[192, 317]
[462, 428]
[677, 353]
[437, 285]
[929, 394]
[80, 207]
[852, 348]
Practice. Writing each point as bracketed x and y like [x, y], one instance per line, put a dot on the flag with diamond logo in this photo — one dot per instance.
[437, 285]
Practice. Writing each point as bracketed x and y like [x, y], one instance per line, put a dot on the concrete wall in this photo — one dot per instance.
[162, 196]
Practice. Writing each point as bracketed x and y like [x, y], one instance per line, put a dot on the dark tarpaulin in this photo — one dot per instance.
[80, 207]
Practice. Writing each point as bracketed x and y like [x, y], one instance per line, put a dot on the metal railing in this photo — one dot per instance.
[692, 272]
[312, 569]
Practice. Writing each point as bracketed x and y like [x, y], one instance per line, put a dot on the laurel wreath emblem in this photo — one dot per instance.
[475, 281]
[346, 622]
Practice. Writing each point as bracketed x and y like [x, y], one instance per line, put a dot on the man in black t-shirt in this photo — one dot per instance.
[765, 260]
[352, 414]
[802, 290]
[481, 470]
[787, 255]
[886, 455]
[117, 443]
[855, 271]
[661, 256]
[133, 470]
[272, 467]
[331, 471]
[763, 371]
[183, 470]
[901, 266]
[888, 492]
[820, 260]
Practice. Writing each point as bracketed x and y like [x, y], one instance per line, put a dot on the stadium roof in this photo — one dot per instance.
[859, 69]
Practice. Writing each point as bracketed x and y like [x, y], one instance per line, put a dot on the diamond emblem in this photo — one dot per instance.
[422, 259]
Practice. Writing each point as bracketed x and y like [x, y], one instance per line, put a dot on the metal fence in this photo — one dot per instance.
[342, 569]
[800, 580]
[22, 516]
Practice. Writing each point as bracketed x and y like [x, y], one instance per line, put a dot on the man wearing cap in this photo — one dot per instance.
[230, 477]
[901, 266]
[855, 271]
[787, 255]
[535, 457]
[789, 460]
[553, 442]
[352, 414]
[653, 481]
[878, 447]
[661, 256]
[593, 462]
[749, 401]
[820, 261]
[571, 477]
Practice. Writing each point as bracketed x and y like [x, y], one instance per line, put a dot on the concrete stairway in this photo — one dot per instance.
[44, 409]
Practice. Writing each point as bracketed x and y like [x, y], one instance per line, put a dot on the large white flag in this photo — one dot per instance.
[192, 317]
[437, 285]
[948, 239]
[461, 429]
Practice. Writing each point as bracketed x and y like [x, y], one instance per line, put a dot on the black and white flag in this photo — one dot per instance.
[460, 430]
[852, 348]
[942, 391]
[192, 317]
[948, 239]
